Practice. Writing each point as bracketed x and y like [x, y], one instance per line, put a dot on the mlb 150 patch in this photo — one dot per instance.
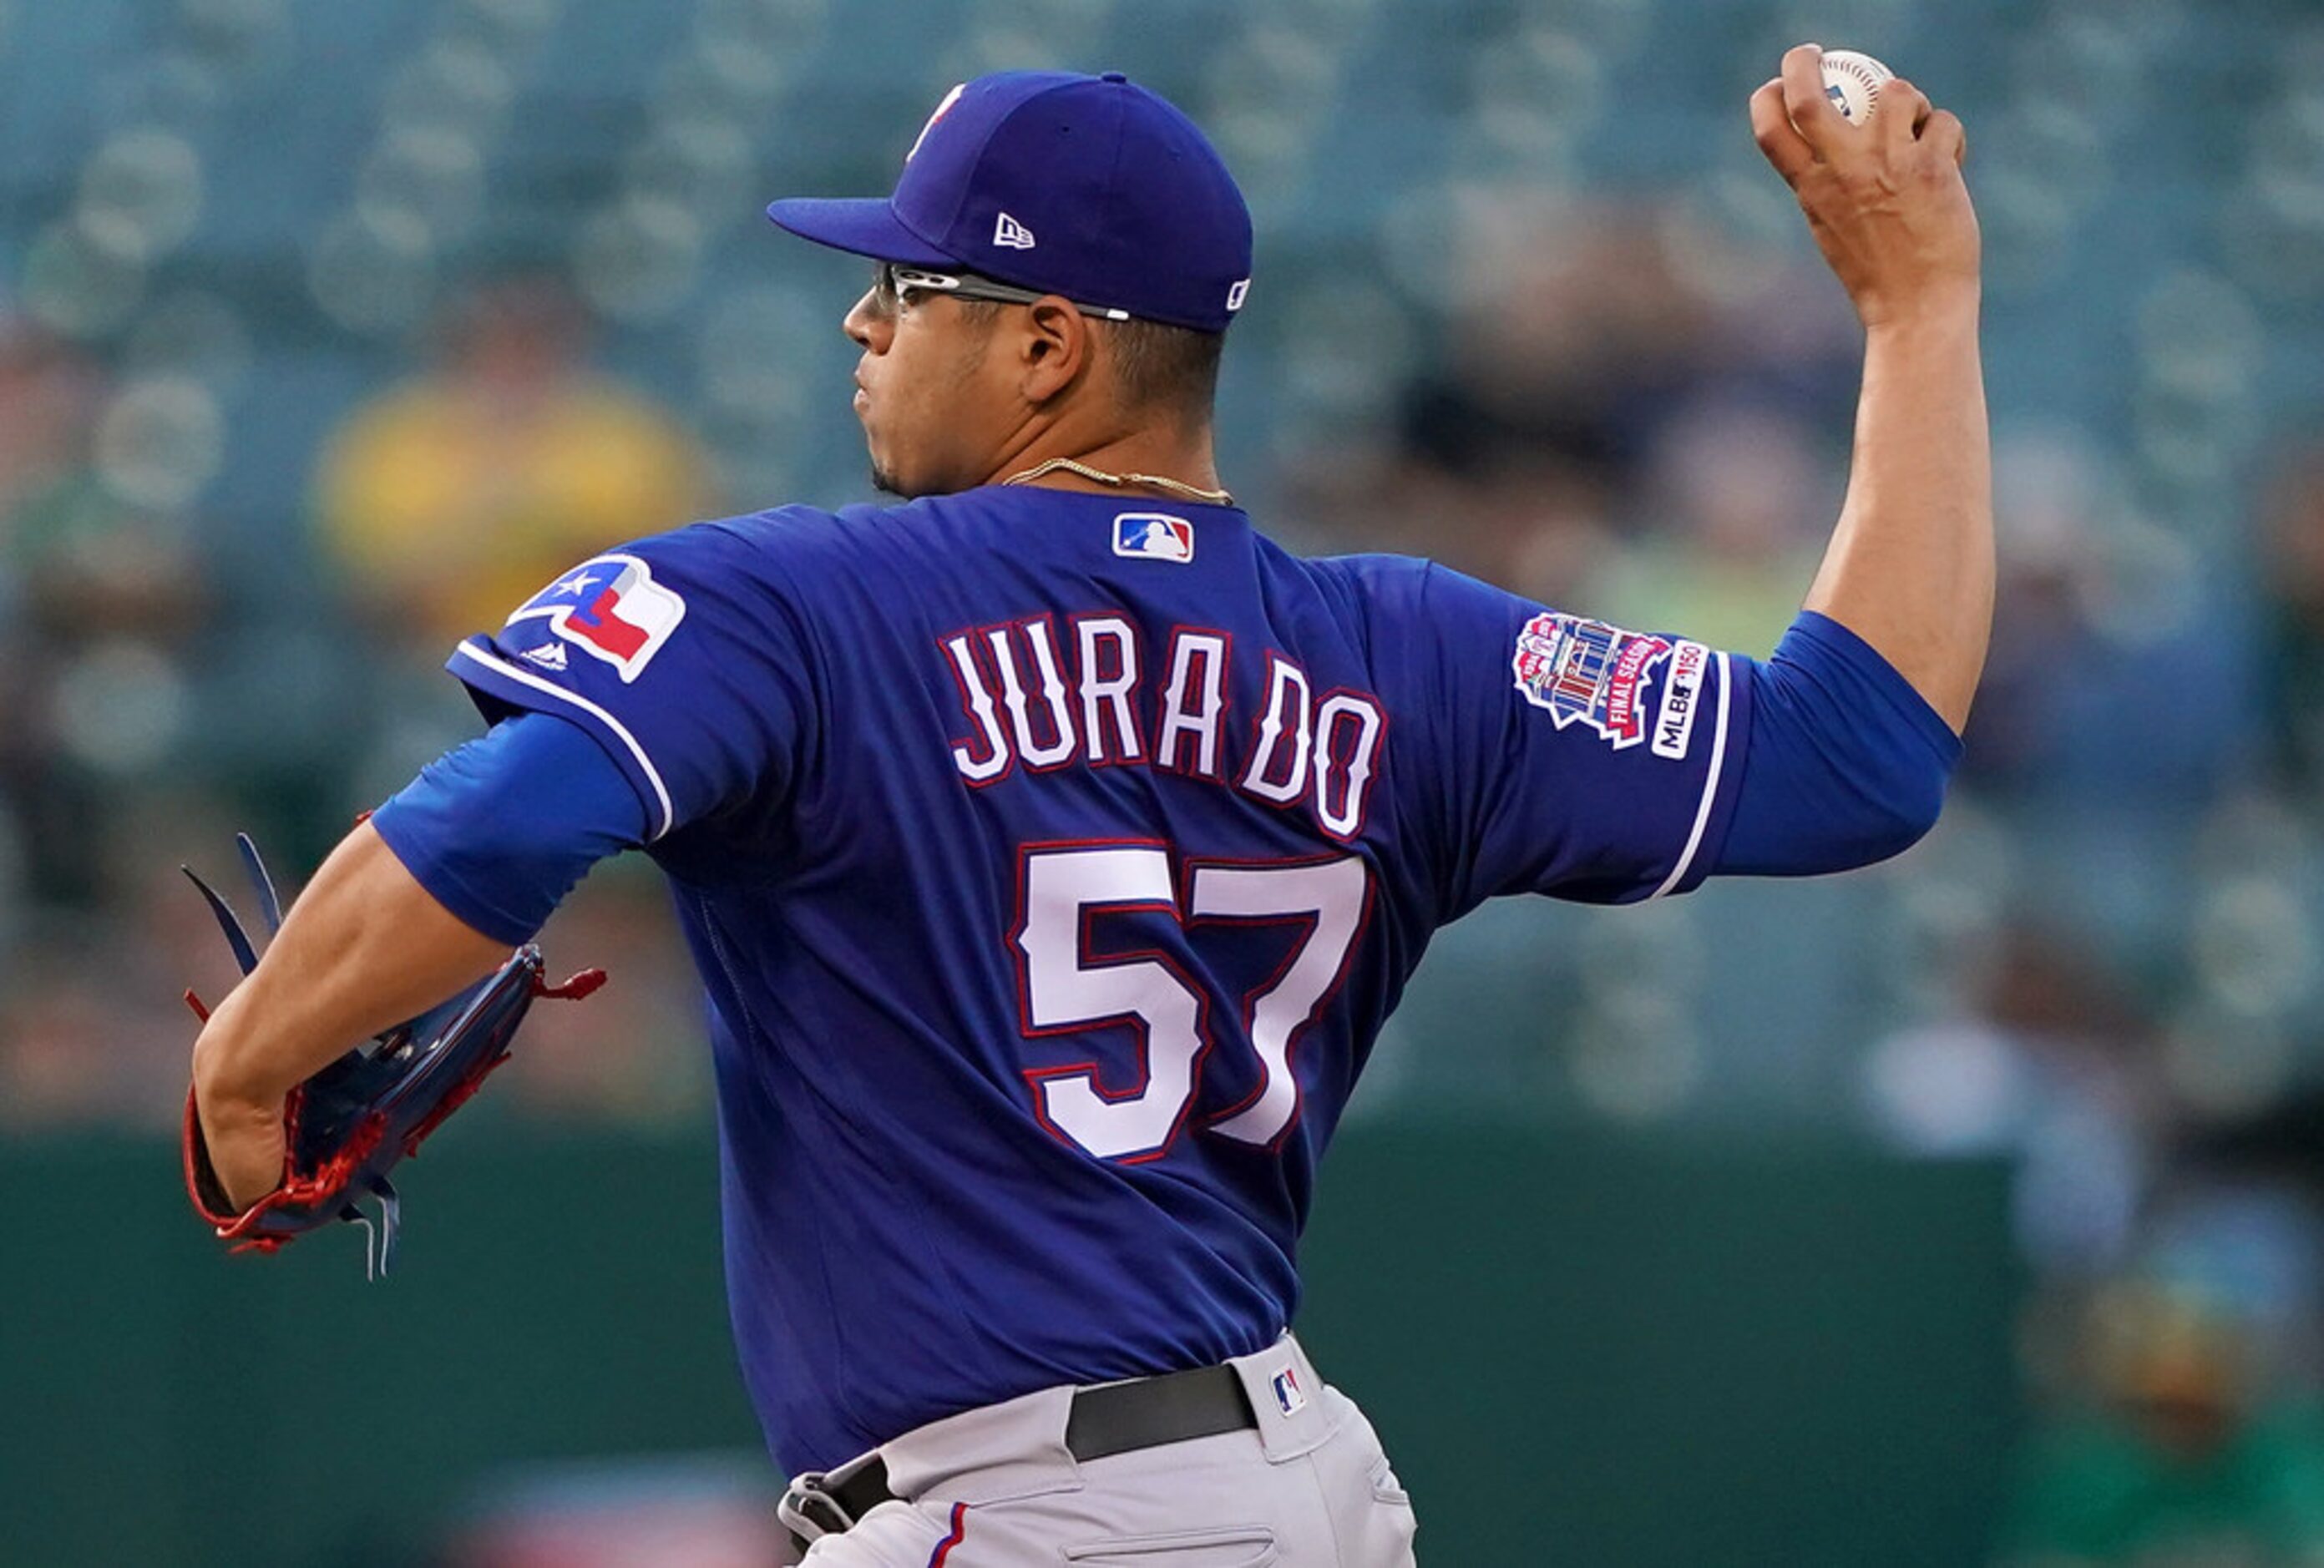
[1690, 663]
[1153, 536]
[610, 608]
[1590, 671]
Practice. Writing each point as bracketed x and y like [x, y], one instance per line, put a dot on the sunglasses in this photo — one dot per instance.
[890, 281]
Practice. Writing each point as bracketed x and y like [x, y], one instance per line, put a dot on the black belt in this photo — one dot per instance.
[1118, 1418]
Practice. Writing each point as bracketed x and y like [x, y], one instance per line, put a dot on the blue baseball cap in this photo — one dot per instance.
[1085, 186]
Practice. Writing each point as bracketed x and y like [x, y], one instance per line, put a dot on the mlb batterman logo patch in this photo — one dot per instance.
[612, 609]
[1589, 672]
[1153, 536]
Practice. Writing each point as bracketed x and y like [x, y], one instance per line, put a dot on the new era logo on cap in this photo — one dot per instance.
[1012, 233]
[1153, 536]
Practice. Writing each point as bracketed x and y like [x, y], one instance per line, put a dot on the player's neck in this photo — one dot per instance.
[1185, 456]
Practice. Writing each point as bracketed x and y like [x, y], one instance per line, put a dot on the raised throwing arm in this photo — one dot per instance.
[1909, 568]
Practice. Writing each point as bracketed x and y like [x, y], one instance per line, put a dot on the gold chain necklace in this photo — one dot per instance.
[1175, 486]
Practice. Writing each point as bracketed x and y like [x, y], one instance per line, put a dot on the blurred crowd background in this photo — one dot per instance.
[327, 332]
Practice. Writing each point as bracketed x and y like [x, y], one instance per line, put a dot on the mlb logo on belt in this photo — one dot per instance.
[1289, 1397]
[612, 609]
[1153, 536]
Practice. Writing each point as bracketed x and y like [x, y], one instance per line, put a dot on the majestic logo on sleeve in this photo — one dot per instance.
[1589, 672]
[1153, 536]
[610, 608]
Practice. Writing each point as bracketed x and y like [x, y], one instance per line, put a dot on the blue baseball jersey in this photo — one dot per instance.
[1052, 860]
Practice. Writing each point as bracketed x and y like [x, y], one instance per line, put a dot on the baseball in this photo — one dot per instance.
[1852, 82]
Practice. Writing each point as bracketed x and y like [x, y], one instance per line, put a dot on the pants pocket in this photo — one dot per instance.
[1389, 1534]
[1233, 1547]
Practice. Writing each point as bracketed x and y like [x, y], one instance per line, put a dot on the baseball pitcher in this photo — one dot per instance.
[1053, 846]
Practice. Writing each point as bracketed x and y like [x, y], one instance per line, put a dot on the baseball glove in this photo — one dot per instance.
[349, 1124]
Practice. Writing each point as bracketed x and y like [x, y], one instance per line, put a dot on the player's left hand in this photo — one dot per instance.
[246, 1143]
[268, 1158]
[1886, 200]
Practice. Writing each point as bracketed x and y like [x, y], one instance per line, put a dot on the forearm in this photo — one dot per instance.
[1910, 568]
[364, 948]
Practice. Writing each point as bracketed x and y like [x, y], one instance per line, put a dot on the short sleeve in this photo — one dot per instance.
[682, 655]
[1575, 758]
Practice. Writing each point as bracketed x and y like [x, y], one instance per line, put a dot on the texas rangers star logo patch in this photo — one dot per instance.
[1590, 671]
[1153, 536]
[610, 608]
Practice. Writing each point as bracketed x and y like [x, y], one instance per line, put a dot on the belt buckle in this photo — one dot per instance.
[811, 1512]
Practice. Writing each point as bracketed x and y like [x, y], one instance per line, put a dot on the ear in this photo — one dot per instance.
[1056, 349]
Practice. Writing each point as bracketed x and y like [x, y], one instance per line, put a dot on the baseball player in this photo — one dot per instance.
[1052, 846]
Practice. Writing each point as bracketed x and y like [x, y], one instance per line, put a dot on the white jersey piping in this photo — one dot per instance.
[653, 776]
[1710, 788]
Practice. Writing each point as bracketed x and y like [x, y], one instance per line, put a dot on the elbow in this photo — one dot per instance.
[1898, 817]
[1859, 816]
[1851, 762]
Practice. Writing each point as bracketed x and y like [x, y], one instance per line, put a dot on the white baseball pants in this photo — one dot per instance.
[996, 1487]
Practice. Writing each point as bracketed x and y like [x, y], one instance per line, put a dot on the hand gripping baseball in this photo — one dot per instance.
[1886, 200]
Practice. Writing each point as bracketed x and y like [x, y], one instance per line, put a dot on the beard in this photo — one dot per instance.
[886, 481]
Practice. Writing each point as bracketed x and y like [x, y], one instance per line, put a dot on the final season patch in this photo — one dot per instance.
[612, 609]
[1591, 671]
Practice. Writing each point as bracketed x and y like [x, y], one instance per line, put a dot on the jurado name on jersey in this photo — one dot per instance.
[1079, 698]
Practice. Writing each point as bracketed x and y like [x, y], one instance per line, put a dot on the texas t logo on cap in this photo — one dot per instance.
[950, 98]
